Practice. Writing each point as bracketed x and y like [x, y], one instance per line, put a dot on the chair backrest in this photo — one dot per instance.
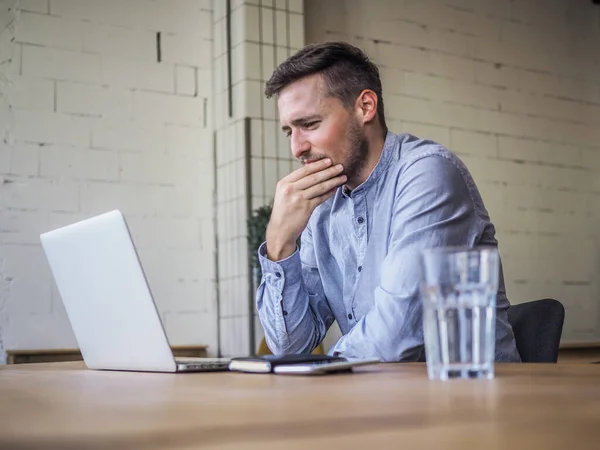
[537, 326]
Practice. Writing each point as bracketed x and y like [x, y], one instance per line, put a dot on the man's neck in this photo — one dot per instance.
[376, 141]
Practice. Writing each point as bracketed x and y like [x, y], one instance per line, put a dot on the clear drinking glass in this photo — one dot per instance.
[459, 288]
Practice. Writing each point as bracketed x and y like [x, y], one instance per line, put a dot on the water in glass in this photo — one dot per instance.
[459, 312]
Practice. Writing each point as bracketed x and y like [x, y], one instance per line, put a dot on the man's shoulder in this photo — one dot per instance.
[412, 148]
[434, 162]
[417, 155]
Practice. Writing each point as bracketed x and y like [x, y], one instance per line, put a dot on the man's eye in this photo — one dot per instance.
[288, 133]
[311, 124]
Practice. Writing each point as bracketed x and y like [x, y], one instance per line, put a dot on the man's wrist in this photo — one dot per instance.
[278, 252]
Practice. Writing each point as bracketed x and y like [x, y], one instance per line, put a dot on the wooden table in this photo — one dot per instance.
[63, 405]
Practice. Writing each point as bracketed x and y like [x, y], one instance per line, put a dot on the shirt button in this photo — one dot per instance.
[349, 316]
[278, 275]
[359, 268]
[285, 313]
[361, 220]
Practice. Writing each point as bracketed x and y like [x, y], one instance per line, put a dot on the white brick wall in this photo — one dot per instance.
[512, 87]
[59, 64]
[94, 100]
[91, 121]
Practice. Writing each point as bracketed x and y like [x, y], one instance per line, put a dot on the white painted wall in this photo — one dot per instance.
[513, 86]
[91, 121]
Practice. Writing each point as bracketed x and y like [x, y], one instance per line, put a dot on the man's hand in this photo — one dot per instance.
[296, 197]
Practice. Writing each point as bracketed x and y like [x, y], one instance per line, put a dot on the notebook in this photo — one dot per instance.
[268, 363]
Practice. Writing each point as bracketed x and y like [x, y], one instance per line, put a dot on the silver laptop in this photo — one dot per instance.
[108, 300]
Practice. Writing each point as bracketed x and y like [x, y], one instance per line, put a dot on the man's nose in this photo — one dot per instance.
[299, 144]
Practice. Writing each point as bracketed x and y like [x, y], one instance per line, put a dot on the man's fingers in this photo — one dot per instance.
[316, 178]
[324, 187]
[307, 170]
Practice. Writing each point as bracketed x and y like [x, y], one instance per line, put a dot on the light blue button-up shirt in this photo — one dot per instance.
[359, 263]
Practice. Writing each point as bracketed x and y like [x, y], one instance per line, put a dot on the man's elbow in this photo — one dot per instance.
[406, 354]
[288, 346]
[276, 347]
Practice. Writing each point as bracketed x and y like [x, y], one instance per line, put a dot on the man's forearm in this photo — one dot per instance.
[288, 329]
[290, 323]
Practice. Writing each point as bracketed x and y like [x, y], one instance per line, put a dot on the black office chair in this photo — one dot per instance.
[537, 326]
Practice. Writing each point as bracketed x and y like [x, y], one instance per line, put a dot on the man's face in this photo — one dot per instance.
[319, 126]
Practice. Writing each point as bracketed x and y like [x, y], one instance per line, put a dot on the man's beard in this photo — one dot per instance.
[358, 152]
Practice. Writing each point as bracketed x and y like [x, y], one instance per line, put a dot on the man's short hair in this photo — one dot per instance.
[346, 72]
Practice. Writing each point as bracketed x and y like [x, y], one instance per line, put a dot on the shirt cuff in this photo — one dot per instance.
[278, 273]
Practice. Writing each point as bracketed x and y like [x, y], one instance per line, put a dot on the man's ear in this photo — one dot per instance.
[366, 106]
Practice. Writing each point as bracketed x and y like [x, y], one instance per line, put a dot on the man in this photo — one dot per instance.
[365, 202]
